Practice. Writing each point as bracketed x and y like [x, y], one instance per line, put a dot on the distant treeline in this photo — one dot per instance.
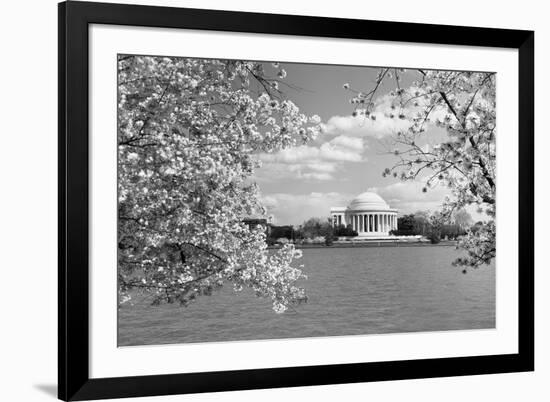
[420, 224]
[313, 230]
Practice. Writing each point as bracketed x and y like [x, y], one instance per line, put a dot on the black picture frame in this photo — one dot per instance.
[73, 325]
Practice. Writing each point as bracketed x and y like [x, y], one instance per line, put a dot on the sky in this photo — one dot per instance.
[347, 158]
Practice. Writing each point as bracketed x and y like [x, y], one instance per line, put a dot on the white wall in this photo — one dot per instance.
[28, 199]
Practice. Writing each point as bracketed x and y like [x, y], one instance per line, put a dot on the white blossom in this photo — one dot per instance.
[186, 138]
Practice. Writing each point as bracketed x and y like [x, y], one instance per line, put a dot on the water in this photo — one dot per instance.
[351, 291]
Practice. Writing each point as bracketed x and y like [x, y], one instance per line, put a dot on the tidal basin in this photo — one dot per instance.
[352, 291]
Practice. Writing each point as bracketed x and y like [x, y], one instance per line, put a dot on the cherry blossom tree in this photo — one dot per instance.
[463, 105]
[188, 130]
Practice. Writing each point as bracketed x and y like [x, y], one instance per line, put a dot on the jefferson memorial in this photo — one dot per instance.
[368, 214]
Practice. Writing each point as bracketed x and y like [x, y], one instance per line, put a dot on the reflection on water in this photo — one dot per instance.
[351, 291]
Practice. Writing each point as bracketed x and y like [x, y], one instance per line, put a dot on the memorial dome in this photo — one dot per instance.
[368, 201]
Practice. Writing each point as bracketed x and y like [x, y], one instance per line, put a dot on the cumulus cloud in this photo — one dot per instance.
[347, 142]
[362, 126]
[383, 120]
[339, 149]
[294, 209]
[408, 196]
[311, 162]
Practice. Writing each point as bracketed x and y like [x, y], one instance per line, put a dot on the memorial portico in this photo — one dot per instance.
[368, 214]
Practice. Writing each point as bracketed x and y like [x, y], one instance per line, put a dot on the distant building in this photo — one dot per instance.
[368, 214]
[254, 222]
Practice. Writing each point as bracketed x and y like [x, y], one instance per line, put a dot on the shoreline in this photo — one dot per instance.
[374, 243]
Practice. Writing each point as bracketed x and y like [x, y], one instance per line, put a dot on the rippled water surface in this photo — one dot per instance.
[351, 291]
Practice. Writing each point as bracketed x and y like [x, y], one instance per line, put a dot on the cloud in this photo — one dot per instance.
[361, 126]
[294, 209]
[347, 142]
[311, 162]
[339, 149]
[408, 196]
[386, 120]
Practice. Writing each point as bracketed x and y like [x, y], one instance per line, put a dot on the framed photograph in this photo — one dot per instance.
[256, 201]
